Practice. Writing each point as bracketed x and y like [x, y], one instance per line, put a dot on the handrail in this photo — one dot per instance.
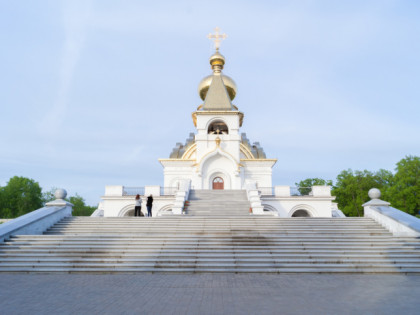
[35, 222]
[266, 191]
[294, 191]
[168, 191]
[164, 191]
[132, 191]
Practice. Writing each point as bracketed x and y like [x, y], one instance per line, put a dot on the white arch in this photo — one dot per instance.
[219, 173]
[163, 209]
[216, 119]
[270, 208]
[125, 209]
[311, 210]
[214, 153]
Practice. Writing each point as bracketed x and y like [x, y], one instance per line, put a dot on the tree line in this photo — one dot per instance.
[22, 195]
[401, 188]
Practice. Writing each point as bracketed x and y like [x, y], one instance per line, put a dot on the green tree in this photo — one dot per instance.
[404, 193]
[80, 208]
[304, 186]
[48, 196]
[351, 188]
[20, 196]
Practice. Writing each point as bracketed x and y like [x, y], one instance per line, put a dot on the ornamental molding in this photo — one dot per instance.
[218, 112]
[214, 152]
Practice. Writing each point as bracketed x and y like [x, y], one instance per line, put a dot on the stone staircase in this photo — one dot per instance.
[212, 244]
[222, 203]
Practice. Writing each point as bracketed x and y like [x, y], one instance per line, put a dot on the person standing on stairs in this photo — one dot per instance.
[137, 207]
[149, 205]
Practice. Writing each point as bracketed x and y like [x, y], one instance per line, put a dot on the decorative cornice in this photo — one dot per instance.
[194, 118]
[218, 112]
[175, 161]
[168, 160]
[271, 162]
[259, 160]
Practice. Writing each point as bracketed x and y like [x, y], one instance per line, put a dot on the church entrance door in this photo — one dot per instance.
[218, 183]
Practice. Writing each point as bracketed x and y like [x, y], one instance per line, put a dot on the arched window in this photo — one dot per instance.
[218, 127]
[300, 214]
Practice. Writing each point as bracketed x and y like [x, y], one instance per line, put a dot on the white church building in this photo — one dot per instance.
[219, 157]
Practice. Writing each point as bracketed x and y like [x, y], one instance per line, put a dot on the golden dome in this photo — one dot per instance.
[204, 85]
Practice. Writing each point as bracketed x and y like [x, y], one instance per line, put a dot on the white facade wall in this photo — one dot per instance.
[174, 171]
[115, 205]
[286, 206]
[259, 171]
[318, 204]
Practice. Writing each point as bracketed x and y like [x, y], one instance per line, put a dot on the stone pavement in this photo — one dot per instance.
[209, 294]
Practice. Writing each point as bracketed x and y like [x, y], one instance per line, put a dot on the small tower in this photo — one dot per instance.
[218, 157]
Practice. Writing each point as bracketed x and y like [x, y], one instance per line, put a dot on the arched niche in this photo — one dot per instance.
[302, 211]
[270, 209]
[167, 209]
[218, 127]
[127, 211]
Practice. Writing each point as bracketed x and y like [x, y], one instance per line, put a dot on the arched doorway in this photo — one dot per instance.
[301, 214]
[218, 183]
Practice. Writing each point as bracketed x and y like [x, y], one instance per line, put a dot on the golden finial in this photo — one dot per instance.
[218, 142]
[217, 37]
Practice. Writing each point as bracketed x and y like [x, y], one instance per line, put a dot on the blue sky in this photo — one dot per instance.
[92, 93]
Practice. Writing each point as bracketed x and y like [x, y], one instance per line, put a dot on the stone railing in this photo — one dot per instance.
[38, 221]
[181, 196]
[142, 191]
[254, 198]
[288, 191]
[399, 223]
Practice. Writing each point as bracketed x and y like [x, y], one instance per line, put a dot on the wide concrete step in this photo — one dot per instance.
[284, 241]
[101, 262]
[227, 228]
[191, 244]
[223, 269]
[248, 219]
[281, 240]
[215, 246]
[220, 268]
[146, 232]
[203, 249]
[254, 218]
[38, 255]
[203, 262]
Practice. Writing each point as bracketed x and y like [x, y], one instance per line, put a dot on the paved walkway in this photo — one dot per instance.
[209, 294]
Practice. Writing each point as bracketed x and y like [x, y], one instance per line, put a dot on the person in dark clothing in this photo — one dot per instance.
[149, 204]
[137, 207]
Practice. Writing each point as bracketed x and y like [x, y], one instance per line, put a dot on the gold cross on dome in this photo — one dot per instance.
[217, 37]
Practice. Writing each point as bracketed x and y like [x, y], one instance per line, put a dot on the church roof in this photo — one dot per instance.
[217, 97]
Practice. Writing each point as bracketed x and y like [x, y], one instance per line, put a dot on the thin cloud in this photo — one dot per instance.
[75, 16]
